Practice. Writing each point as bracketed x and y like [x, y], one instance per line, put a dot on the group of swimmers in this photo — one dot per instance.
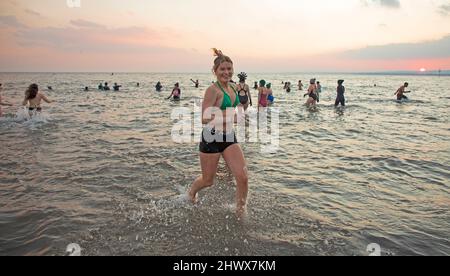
[175, 92]
[315, 88]
[218, 136]
[105, 87]
[33, 96]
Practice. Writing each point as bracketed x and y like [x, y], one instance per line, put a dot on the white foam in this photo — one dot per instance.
[32, 118]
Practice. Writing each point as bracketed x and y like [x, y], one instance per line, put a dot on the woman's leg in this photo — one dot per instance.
[209, 163]
[235, 159]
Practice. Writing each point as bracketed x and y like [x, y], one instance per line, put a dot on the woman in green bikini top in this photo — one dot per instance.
[220, 99]
[226, 102]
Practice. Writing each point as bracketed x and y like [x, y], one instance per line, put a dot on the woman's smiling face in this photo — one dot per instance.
[224, 72]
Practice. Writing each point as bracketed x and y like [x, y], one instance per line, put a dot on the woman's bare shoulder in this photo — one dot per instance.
[211, 89]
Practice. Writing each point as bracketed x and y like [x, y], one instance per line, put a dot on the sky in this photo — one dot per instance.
[259, 35]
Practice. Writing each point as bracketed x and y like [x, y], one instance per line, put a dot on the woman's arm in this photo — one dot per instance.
[47, 100]
[208, 102]
[249, 95]
[171, 94]
[307, 92]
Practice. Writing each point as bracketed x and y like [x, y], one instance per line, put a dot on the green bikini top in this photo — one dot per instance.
[226, 103]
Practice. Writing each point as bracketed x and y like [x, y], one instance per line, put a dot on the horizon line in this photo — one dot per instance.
[414, 72]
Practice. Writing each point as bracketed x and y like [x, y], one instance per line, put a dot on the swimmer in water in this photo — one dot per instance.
[312, 93]
[244, 91]
[318, 90]
[117, 87]
[263, 94]
[158, 87]
[33, 98]
[340, 98]
[176, 92]
[300, 85]
[196, 83]
[401, 91]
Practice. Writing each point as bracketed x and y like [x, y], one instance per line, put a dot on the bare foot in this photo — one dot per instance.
[241, 213]
[192, 198]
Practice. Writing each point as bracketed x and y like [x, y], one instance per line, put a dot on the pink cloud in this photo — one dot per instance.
[88, 46]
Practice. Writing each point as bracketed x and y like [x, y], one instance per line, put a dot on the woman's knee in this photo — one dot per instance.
[242, 176]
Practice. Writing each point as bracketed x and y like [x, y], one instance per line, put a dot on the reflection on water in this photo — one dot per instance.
[100, 169]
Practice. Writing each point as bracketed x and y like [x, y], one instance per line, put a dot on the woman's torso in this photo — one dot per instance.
[243, 91]
[36, 101]
[176, 92]
[263, 94]
[340, 91]
[312, 90]
[225, 99]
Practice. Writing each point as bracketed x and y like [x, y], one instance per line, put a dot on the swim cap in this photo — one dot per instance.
[242, 76]
[262, 83]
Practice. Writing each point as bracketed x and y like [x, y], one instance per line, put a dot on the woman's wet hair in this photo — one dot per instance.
[220, 58]
[32, 91]
[262, 83]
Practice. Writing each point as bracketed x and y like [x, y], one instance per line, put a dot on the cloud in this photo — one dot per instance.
[429, 49]
[393, 4]
[444, 10]
[86, 24]
[31, 12]
[11, 21]
[87, 36]
[85, 45]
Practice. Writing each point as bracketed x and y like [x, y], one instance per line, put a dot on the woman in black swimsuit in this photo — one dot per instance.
[244, 91]
[312, 96]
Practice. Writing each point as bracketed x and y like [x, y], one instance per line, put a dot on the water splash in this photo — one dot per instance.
[31, 118]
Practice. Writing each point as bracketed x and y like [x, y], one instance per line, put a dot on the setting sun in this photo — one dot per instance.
[423, 70]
